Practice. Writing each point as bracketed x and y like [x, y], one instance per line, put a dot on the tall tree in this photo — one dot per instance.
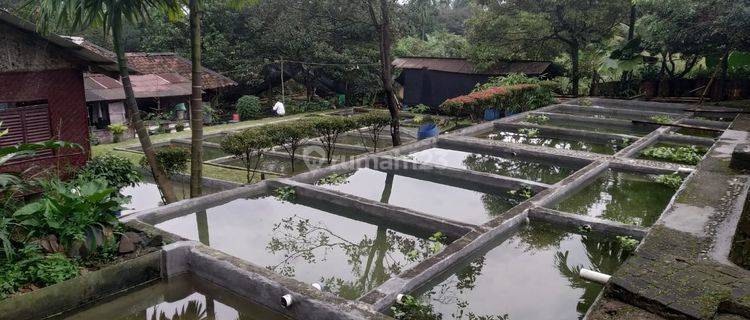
[542, 29]
[196, 102]
[112, 16]
[382, 24]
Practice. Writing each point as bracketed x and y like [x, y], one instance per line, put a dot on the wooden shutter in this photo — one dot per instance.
[26, 124]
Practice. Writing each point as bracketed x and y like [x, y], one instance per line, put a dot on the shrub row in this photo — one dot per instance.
[511, 98]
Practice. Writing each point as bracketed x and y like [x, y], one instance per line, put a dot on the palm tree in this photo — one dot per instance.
[111, 15]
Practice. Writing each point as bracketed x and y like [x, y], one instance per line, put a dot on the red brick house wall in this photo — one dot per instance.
[64, 92]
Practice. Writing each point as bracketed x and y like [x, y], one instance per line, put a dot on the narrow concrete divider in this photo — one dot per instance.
[188, 206]
[609, 122]
[596, 224]
[457, 252]
[422, 223]
[636, 147]
[596, 110]
[474, 180]
[676, 138]
[648, 166]
[637, 105]
[707, 123]
[266, 287]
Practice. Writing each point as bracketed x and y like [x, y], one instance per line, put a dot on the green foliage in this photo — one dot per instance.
[290, 136]
[32, 267]
[117, 128]
[673, 180]
[691, 155]
[328, 130]
[524, 192]
[437, 240]
[529, 132]
[284, 194]
[334, 179]
[294, 107]
[68, 209]
[247, 145]
[172, 159]
[537, 118]
[439, 44]
[119, 172]
[627, 244]
[374, 123]
[586, 102]
[420, 109]
[411, 308]
[662, 119]
[509, 80]
[515, 98]
[249, 107]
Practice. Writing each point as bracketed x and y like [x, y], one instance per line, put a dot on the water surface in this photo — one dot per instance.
[183, 297]
[634, 130]
[349, 257]
[628, 198]
[551, 141]
[531, 275]
[504, 166]
[426, 196]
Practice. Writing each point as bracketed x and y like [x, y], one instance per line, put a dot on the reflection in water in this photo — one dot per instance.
[146, 195]
[426, 196]
[552, 142]
[516, 168]
[635, 129]
[623, 197]
[348, 256]
[184, 298]
[531, 275]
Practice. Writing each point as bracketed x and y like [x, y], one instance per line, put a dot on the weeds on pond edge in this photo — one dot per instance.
[529, 132]
[673, 180]
[334, 179]
[285, 194]
[537, 118]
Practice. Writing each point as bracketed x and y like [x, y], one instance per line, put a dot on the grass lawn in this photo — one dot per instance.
[209, 171]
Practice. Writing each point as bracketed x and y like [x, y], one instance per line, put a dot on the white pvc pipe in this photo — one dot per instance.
[287, 300]
[400, 298]
[317, 286]
[594, 276]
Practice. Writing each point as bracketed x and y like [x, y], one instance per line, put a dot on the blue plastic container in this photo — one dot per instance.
[492, 114]
[427, 131]
[509, 113]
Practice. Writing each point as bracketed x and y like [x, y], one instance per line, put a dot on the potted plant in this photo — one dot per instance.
[427, 127]
[117, 130]
[208, 114]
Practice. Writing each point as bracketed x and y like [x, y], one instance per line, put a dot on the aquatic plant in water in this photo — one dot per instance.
[529, 132]
[284, 194]
[673, 180]
[662, 119]
[334, 179]
[537, 118]
[627, 244]
[682, 154]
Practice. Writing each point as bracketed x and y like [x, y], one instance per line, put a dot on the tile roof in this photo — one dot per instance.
[162, 63]
[102, 88]
[461, 65]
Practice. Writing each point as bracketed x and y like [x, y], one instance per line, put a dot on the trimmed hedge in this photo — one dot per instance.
[514, 98]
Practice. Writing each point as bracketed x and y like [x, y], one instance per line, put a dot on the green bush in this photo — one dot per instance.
[293, 107]
[248, 145]
[374, 123]
[509, 80]
[172, 159]
[290, 136]
[514, 98]
[117, 128]
[249, 107]
[329, 129]
[691, 155]
[420, 109]
[119, 172]
[32, 267]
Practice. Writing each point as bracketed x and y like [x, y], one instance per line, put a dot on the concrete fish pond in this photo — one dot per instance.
[532, 274]
[573, 223]
[312, 242]
[182, 297]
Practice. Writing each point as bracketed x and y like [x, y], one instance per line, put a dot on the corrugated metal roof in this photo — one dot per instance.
[78, 52]
[464, 66]
[102, 88]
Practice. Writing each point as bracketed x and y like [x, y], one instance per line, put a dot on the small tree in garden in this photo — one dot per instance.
[290, 136]
[329, 129]
[248, 145]
[119, 172]
[373, 123]
[171, 159]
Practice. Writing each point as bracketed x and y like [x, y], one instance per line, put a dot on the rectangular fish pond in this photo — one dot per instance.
[312, 242]
[629, 198]
[533, 170]
[209, 153]
[276, 164]
[182, 297]
[435, 197]
[536, 137]
[146, 195]
[340, 153]
[531, 274]
[633, 129]
[365, 140]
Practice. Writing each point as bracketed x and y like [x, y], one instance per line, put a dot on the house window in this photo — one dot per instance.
[98, 114]
[26, 122]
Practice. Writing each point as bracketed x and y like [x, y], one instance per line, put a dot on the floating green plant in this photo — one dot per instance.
[529, 132]
[681, 154]
[673, 180]
[285, 194]
[662, 119]
[334, 179]
[537, 118]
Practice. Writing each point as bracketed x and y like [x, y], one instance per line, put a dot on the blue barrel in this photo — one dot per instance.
[427, 131]
[509, 113]
[492, 114]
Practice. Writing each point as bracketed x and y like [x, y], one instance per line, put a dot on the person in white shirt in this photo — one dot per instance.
[278, 108]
